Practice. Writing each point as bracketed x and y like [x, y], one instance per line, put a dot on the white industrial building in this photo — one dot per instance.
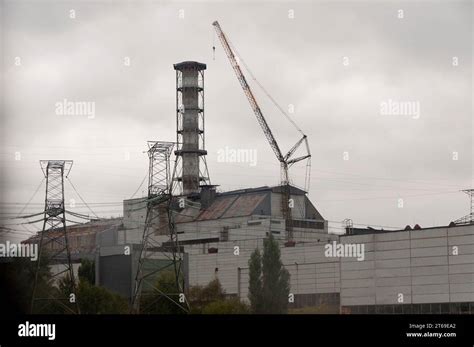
[422, 271]
[416, 271]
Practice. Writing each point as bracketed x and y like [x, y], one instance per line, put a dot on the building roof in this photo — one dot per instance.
[92, 227]
[274, 189]
[232, 206]
[370, 230]
[217, 208]
[241, 203]
[235, 203]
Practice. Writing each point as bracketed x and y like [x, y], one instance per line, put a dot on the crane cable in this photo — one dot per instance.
[264, 90]
[307, 183]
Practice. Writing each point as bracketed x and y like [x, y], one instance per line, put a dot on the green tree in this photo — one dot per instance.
[226, 306]
[98, 300]
[86, 271]
[269, 285]
[62, 293]
[212, 299]
[90, 298]
[255, 282]
[199, 296]
[18, 276]
[153, 301]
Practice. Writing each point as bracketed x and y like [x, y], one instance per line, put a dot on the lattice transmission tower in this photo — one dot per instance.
[160, 249]
[53, 245]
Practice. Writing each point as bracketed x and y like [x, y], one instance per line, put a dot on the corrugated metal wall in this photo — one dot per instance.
[419, 264]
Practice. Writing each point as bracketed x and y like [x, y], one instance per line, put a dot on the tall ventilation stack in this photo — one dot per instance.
[190, 127]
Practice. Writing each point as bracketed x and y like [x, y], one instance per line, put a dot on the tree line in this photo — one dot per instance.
[268, 289]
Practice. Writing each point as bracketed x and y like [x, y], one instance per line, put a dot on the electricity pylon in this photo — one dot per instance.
[53, 242]
[159, 240]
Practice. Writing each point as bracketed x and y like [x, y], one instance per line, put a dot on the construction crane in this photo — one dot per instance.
[285, 160]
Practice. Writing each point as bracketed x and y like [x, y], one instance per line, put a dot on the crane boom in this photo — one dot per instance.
[248, 92]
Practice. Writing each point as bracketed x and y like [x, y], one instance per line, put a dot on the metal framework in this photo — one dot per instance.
[287, 160]
[53, 239]
[159, 236]
[468, 219]
[348, 226]
[159, 167]
[191, 170]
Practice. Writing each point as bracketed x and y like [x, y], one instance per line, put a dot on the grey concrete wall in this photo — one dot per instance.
[311, 272]
[419, 264]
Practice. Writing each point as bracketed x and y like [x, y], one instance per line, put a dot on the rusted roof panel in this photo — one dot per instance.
[244, 205]
[218, 207]
[187, 215]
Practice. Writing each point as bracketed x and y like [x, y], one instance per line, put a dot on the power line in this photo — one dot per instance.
[141, 184]
[27, 216]
[392, 197]
[36, 191]
[80, 197]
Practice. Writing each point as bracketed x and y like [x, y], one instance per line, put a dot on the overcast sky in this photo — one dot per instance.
[337, 63]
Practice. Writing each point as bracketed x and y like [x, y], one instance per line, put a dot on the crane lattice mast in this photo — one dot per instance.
[285, 160]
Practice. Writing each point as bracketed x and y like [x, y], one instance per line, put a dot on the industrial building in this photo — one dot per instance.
[211, 215]
[207, 221]
[424, 270]
[433, 268]
[405, 271]
[428, 270]
[83, 238]
[420, 270]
